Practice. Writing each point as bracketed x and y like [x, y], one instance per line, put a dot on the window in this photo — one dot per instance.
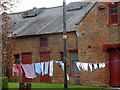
[44, 56]
[73, 60]
[17, 59]
[113, 13]
[61, 56]
[26, 58]
[43, 42]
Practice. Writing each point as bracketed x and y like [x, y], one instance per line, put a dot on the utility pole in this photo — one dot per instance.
[64, 42]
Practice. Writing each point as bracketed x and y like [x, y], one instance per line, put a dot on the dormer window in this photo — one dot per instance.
[113, 13]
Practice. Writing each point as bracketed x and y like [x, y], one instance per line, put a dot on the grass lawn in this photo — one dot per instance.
[49, 85]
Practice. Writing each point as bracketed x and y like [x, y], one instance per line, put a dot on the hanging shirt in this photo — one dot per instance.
[29, 70]
[46, 67]
[62, 65]
[14, 70]
[42, 68]
[95, 66]
[19, 68]
[85, 66]
[90, 65]
[78, 65]
[51, 69]
[38, 68]
[101, 65]
[81, 66]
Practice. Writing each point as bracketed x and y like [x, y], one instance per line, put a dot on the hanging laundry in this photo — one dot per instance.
[14, 70]
[98, 65]
[78, 65]
[85, 66]
[81, 66]
[29, 70]
[95, 66]
[62, 65]
[101, 65]
[68, 77]
[90, 66]
[19, 68]
[46, 67]
[42, 68]
[51, 69]
[38, 68]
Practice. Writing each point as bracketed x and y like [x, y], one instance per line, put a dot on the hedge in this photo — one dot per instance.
[4, 82]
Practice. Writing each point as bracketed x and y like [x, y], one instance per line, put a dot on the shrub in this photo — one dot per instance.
[4, 81]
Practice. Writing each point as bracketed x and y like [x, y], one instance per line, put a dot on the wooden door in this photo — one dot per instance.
[114, 67]
[45, 57]
[26, 59]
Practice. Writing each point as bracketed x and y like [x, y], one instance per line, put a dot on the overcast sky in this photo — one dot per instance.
[29, 4]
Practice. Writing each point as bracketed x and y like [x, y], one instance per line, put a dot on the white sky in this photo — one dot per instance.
[29, 4]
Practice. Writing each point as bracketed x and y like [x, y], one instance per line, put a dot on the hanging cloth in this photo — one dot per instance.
[19, 68]
[42, 68]
[14, 70]
[101, 65]
[29, 70]
[62, 65]
[38, 68]
[46, 67]
[95, 66]
[90, 66]
[51, 69]
[78, 64]
[85, 66]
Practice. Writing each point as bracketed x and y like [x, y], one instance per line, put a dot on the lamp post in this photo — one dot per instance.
[64, 42]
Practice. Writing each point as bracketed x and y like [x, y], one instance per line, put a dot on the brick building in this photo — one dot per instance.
[40, 39]
[99, 41]
[93, 35]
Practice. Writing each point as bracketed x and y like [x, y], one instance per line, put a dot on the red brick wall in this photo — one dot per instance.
[55, 46]
[94, 32]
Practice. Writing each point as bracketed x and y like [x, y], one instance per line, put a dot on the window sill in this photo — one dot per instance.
[116, 24]
[74, 75]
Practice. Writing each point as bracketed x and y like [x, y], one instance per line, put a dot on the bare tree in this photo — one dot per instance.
[8, 38]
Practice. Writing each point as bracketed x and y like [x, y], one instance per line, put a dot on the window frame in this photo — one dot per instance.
[113, 15]
[43, 42]
[15, 59]
[71, 73]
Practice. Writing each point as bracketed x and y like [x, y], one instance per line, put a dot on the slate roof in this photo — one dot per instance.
[50, 20]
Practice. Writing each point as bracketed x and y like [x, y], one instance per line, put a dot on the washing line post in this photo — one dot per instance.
[64, 44]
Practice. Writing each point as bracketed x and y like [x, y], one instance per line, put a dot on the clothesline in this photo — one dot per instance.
[47, 68]
[40, 68]
[30, 69]
[89, 66]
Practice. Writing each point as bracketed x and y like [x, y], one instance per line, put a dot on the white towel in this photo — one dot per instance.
[81, 66]
[29, 70]
[51, 69]
[90, 65]
[46, 67]
[78, 65]
[101, 65]
[42, 67]
[85, 66]
[95, 66]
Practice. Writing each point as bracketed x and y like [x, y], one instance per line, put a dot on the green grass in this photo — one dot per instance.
[49, 85]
